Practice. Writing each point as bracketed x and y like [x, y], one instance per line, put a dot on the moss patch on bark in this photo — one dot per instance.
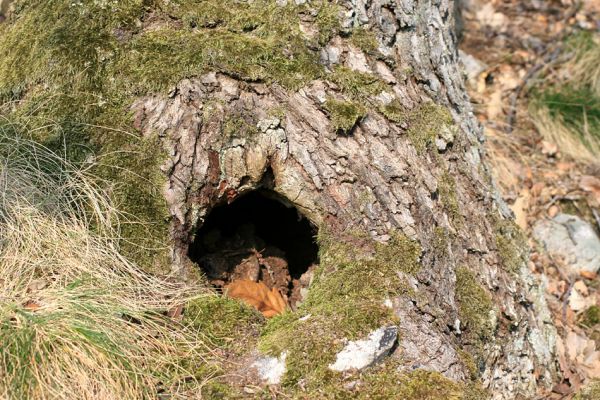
[511, 243]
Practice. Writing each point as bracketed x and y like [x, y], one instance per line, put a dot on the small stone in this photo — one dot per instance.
[473, 67]
[441, 144]
[271, 369]
[268, 123]
[457, 326]
[572, 239]
[360, 354]
[330, 55]
[305, 318]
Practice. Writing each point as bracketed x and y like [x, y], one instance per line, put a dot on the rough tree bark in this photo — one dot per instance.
[425, 176]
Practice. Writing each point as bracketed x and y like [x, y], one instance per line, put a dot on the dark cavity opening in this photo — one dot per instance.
[258, 238]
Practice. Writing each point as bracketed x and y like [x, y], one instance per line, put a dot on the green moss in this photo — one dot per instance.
[474, 305]
[345, 301]
[423, 123]
[448, 198]
[512, 246]
[589, 392]
[359, 88]
[365, 40]
[469, 362]
[136, 187]
[474, 391]
[158, 60]
[227, 323]
[356, 85]
[416, 385]
[440, 242]
[387, 381]
[239, 126]
[327, 21]
[394, 111]
[344, 114]
[590, 317]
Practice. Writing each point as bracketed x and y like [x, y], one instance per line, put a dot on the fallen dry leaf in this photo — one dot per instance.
[31, 305]
[549, 149]
[257, 295]
[520, 208]
[494, 105]
[588, 274]
[579, 301]
[591, 184]
[487, 15]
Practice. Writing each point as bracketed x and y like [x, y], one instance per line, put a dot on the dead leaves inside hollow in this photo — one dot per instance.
[257, 294]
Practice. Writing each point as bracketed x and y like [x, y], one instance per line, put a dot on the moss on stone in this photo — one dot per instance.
[346, 301]
[474, 305]
[344, 114]
[512, 245]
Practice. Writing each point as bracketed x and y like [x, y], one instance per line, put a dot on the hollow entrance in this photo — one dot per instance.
[258, 238]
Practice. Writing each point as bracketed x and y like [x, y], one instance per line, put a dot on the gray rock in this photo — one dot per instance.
[572, 239]
[473, 67]
[360, 354]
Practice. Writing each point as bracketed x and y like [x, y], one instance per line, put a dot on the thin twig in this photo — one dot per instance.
[596, 217]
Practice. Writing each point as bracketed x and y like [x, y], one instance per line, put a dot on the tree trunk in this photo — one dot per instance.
[408, 160]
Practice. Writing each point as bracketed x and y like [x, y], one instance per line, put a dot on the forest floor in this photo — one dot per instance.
[534, 71]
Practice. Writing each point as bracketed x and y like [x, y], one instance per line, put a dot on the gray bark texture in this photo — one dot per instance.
[374, 178]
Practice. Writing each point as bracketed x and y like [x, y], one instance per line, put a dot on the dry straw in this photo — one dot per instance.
[569, 113]
[77, 320]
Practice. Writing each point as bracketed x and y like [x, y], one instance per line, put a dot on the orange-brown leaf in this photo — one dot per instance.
[258, 295]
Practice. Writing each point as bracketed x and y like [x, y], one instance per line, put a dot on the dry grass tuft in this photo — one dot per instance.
[77, 320]
[576, 141]
[568, 113]
[584, 68]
